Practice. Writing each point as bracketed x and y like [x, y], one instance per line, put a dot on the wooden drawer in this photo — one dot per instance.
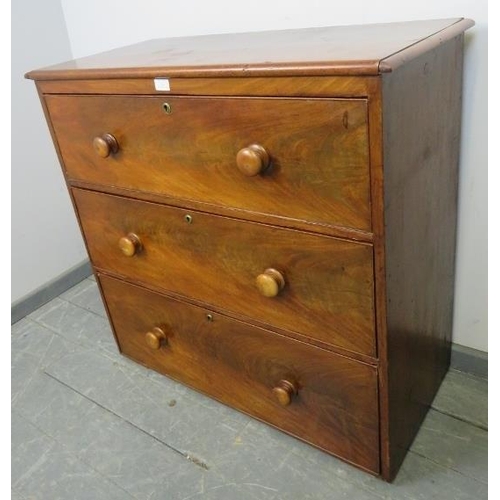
[318, 150]
[328, 291]
[335, 406]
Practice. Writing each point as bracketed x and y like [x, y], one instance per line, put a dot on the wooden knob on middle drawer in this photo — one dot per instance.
[105, 144]
[284, 392]
[130, 244]
[270, 282]
[155, 338]
[252, 160]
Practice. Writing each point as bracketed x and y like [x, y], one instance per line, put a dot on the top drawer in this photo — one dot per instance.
[318, 151]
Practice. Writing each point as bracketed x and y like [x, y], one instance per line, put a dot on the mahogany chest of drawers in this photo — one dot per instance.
[271, 218]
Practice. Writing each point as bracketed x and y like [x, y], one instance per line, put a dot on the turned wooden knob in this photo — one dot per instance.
[155, 338]
[284, 392]
[130, 244]
[270, 282]
[252, 160]
[105, 144]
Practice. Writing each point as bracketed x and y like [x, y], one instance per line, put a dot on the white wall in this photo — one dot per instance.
[120, 23]
[45, 237]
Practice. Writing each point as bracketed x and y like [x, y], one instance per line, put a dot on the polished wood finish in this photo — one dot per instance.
[252, 160]
[427, 44]
[336, 404]
[318, 147]
[378, 218]
[421, 122]
[339, 50]
[285, 86]
[278, 230]
[275, 220]
[215, 260]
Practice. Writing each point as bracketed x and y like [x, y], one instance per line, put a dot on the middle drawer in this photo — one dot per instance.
[317, 286]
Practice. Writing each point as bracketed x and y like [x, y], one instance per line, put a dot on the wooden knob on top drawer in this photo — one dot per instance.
[284, 392]
[270, 282]
[130, 244]
[105, 144]
[155, 338]
[252, 160]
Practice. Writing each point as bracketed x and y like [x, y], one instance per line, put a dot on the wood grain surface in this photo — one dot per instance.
[331, 50]
[318, 150]
[281, 86]
[335, 406]
[329, 282]
[421, 127]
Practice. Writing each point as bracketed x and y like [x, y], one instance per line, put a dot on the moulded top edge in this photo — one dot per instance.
[341, 50]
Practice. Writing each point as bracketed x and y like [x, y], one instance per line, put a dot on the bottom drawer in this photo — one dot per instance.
[320, 397]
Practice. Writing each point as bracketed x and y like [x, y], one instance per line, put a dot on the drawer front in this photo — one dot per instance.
[318, 150]
[328, 282]
[331, 401]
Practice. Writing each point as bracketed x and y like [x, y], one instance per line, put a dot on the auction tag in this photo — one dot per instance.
[162, 84]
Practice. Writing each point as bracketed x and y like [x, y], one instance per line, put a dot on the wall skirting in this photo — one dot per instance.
[49, 291]
[468, 360]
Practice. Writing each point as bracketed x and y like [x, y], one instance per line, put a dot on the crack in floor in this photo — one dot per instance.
[191, 458]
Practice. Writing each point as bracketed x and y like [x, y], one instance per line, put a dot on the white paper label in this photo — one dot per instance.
[162, 84]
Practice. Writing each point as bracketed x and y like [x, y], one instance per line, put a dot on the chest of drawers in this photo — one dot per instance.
[271, 218]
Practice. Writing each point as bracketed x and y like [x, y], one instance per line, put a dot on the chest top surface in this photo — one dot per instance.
[339, 50]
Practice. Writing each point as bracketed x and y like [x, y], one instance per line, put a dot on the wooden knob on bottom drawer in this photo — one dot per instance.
[130, 244]
[252, 160]
[105, 144]
[284, 392]
[270, 282]
[155, 338]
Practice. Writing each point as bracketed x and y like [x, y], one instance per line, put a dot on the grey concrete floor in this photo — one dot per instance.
[89, 424]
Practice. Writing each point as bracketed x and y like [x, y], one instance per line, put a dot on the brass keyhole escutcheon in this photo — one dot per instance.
[188, 218]
[167, 108]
